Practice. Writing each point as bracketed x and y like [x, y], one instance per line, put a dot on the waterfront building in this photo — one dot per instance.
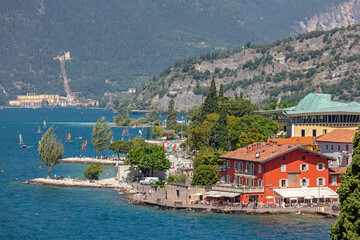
[34, 100]
[274, 172]
[334, 177]
[315, 115]
[338, 144]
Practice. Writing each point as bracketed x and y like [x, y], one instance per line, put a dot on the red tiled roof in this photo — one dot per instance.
[266, 153]
[295, 140]
[337, 170]
[338, 136]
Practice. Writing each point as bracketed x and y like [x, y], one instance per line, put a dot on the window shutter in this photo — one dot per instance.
[317, 181]
[307, 182]
[280, 183]
[287, 183]
[300, 167]
[307, 167]
[300, 182]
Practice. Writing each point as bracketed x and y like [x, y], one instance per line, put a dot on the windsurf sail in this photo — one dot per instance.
[21, 139]
[39, 144]
[44, 123]
[68, 137]
[112, 139]
[83, 146]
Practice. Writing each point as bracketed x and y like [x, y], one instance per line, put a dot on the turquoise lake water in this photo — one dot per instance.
[42, 212]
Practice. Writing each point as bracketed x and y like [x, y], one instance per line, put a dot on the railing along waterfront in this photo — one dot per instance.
[240, 189]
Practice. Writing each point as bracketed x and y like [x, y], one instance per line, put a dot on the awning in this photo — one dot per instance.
[307, 193]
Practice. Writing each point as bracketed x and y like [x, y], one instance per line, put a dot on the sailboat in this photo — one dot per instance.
[39, 130]
[68, 137]
[83, 146]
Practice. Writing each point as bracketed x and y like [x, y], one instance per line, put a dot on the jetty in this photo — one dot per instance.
[87, 160]
[110, 183]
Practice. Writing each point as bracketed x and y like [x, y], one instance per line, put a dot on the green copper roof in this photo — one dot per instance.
[320, 103]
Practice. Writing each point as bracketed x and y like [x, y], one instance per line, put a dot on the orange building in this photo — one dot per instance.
[278, 173]
[334, 177]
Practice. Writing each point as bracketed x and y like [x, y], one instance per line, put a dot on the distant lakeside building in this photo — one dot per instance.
[32, 100]
[315, 115]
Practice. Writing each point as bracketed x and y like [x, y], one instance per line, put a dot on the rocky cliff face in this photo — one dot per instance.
[342, 15]
[325, 62]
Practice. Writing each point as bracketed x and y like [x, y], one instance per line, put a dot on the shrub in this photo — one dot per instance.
[93, 171]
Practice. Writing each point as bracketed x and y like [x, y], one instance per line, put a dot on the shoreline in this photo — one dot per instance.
[87, 160]
[134, 197]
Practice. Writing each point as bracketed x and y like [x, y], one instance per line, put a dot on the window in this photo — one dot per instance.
[241, 181]
[283, 158]
[324, 131]
[235, 164]
[284, 128]
[334, 180]
[228, 164]
[259, 183]
[252, 168]
[320, 167]
[303, 157]
[283, 183]
[241, 167]
[304, 167]
[327, 147]
[283, 167]
[259, 168]
[320, 181]
[304, 182]
[332, 147]
[228, 178]
[177, 193]
[347, 161]
[303, 132]
[338, 161]
[314, 132]
[249, 182]
[338, 147]
[346, 147]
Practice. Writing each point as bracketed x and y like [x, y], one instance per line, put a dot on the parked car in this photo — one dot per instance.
[149, 180]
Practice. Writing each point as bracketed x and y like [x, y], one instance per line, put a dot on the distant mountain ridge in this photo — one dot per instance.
[117, 44]
[322, 62]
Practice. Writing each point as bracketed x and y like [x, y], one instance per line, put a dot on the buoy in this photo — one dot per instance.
[2, 171]
[40, 167]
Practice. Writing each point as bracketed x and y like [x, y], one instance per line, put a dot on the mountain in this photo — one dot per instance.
[117, 44]
[320, 61]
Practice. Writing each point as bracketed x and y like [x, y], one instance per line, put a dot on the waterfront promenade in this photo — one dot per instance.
[157, 200]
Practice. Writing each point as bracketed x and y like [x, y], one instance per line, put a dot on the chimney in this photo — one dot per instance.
[258, 145]
[248, 149]
[254, 147]
[257, 154]
[271, 143]
[318, 150]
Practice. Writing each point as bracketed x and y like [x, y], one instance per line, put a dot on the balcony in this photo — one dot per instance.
[221, 168]
[245, 173]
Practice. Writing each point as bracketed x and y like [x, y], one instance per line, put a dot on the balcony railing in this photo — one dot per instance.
[245, 172]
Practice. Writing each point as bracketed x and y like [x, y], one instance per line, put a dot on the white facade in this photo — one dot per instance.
[340, 151]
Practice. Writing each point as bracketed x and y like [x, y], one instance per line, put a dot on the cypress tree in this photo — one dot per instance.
[171, 116]
[148, 133]
[219, 136]
[221, 92]
[210, 104]
[236, 95]
[347, 226]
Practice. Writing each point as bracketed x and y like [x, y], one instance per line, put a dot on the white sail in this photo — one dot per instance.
[21, 139]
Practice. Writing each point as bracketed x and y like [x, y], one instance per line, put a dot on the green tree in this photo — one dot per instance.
[154, 111]
[221, 93]
[122, 120]
[252, 135]
[119, 146]
[208, 156]
[240, 107]
[210, 104]
[219, 135]
[50, 150]
[347, 226]
[148, 159]
[148, 133]
[263, 125]
[205, 175]
[101, 135]
[93, 171]
[171, 120]
[157, 132]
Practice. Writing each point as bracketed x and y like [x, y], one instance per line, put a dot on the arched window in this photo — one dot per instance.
[259, 183]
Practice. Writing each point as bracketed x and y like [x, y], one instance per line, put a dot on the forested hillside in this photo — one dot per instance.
[116, 44]
[287, 70]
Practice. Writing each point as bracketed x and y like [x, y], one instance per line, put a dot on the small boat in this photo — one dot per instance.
[39, 130]
[21, 139]
[78, 137]
[83, 146]
[23, 146]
